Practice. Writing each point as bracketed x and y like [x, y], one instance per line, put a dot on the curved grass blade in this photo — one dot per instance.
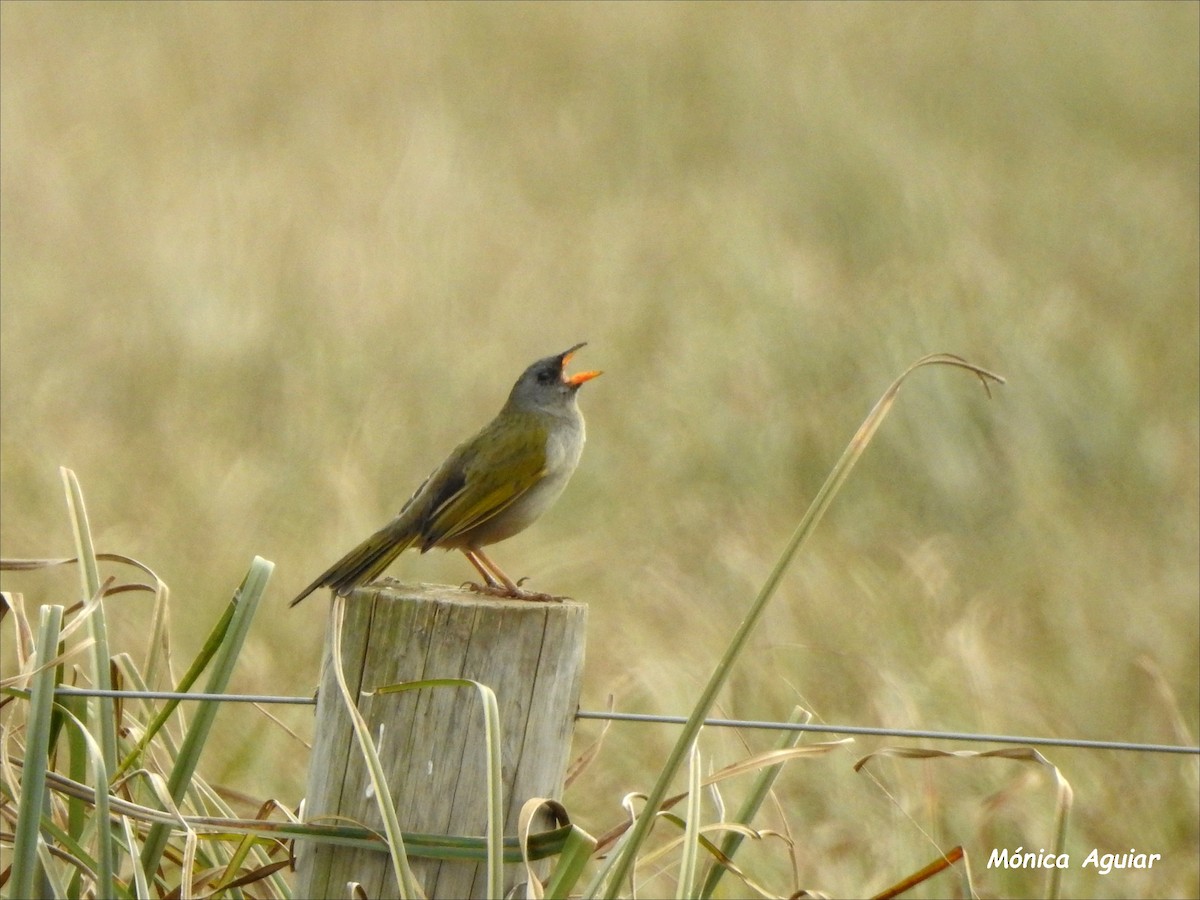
[89, 574]
[576, 851]
[405, 880]
[492, 739]
[1064, 794]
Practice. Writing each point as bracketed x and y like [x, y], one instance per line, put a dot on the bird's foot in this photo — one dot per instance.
[512, 593]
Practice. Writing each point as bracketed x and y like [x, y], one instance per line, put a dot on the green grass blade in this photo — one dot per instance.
[753, 802]
[25, 864]
[245, 602]
[106, 848]
[78, 815]
[603, 875]
[690, 858]
[212, 645]
[576, 851]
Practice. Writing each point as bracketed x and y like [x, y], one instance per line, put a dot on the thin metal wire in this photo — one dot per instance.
[899, 732]
[712, 723]
[68, 691]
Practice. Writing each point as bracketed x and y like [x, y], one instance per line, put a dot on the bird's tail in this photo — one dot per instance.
[366, 561]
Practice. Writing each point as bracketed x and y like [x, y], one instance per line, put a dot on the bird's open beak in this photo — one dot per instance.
[579, 377]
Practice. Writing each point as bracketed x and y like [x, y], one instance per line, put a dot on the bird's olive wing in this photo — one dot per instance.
[489, 485]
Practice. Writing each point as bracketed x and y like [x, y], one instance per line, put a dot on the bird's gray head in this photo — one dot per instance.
[546, 385]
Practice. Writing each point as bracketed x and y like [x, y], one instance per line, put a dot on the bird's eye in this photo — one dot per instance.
[545, 377]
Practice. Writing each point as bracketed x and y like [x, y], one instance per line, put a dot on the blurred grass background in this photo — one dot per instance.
[263, 265]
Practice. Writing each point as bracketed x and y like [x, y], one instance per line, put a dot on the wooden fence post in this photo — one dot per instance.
[432, 741]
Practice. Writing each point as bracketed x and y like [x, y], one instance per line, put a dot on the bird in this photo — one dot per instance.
[490, 487]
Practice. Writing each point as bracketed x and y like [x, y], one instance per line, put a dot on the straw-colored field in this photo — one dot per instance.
[264, 265]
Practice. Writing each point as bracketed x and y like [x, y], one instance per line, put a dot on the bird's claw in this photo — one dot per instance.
[499, 590]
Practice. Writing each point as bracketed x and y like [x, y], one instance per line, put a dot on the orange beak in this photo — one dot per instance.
[579, 377]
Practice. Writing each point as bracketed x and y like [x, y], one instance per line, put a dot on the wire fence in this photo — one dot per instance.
[644, 718]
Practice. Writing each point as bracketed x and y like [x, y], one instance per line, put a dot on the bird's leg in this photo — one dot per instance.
[506, 587]
[509, 584]
[490, 583]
